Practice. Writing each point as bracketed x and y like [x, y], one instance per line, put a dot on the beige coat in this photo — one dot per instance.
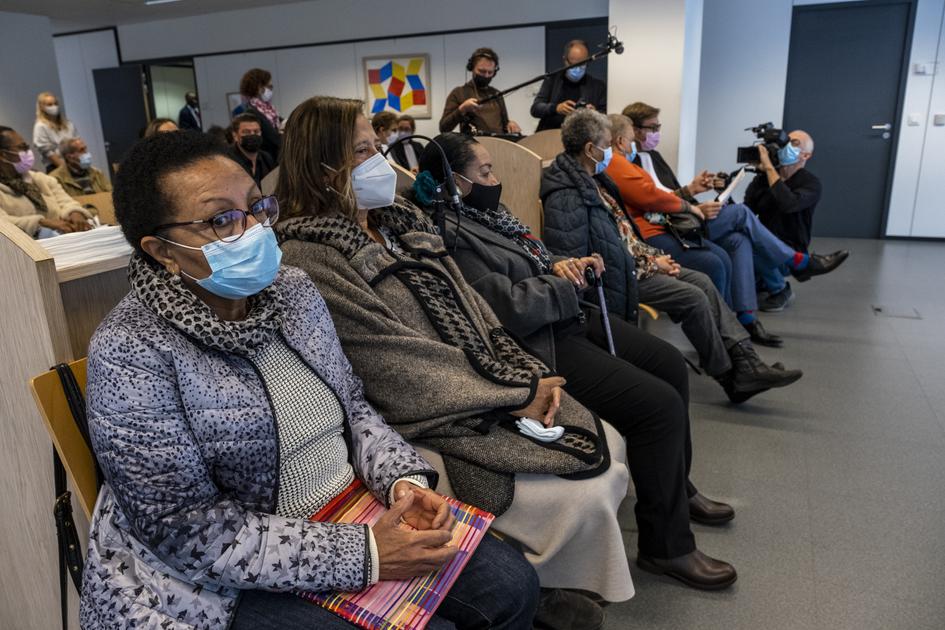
[19, 210]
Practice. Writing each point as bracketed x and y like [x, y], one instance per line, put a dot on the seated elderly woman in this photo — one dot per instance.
[224, 413]
[643, 391]
[584, 212]
[32, 201]
[438, 364]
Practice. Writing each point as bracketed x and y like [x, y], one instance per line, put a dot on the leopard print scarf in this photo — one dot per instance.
[169, 297]
[21, 187]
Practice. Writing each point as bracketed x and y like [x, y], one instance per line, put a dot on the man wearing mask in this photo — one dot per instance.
[562, 92]
[247, 148]
[189, 116]
[77, 176]
[407, 153]
[385, 128]
[463, 103]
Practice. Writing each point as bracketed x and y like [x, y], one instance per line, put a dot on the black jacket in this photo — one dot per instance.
[527, 302]
[264, 164]
[187, 120]
[272, 139]
[400, 153]
[578, 224]
[591, 89]
[787, 208]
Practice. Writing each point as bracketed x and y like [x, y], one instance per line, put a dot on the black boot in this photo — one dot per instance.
[750, 375]
[562, 609]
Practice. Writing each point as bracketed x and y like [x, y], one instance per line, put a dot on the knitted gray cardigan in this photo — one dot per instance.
[435, 361]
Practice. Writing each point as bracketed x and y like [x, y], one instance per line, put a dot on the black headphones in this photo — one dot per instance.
[482, 53]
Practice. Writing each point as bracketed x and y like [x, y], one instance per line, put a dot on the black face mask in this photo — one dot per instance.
[251, 143]
[485, 198]
[481, 81]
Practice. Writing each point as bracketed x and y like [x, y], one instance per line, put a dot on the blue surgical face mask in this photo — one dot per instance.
[789, 154]
[633, 152]
[576, 73]
[241, 268]
[601, 166]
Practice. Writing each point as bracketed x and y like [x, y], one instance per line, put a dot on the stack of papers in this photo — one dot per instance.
[83, 248]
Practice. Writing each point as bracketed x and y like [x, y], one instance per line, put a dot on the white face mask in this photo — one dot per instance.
[392, 137]
[51, 110]
[374, 183]
[266, 95]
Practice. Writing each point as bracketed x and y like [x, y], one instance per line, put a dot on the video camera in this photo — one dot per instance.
[772, 139]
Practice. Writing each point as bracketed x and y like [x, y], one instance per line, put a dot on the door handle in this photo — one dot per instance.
[886, 127]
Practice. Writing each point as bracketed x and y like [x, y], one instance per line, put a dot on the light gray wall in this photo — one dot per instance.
[337, 70]
[335, 20]
[78, 56]
[742, 82]
[27, 67]
[660, 66]
[170, 84]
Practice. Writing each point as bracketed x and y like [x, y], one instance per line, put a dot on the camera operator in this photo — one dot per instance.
[784, 197]
[563, 92]
[463, 105]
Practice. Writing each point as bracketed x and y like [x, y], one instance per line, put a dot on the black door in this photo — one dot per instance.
[121, 108]
[593, 31]
[846, 72]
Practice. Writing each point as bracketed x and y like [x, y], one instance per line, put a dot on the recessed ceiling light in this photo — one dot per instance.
[159, 1]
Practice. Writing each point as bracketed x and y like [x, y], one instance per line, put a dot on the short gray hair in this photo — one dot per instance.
[67, 146]
[620, 125]
[583, 126]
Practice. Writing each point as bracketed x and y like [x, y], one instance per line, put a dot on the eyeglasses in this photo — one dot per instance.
[656, 127]
[229, 225]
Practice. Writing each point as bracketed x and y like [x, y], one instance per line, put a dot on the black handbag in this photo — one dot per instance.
[71, 562]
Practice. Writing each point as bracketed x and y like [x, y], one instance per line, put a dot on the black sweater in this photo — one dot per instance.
[787, 208]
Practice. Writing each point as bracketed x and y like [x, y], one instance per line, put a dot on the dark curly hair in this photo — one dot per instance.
[458, 149]
[141, 196]
[254, 81]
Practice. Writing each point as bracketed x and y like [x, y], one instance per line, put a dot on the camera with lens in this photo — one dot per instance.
[772, 139]
[581, 104]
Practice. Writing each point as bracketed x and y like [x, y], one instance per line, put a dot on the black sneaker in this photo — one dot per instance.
[820, 264]
[777, 302]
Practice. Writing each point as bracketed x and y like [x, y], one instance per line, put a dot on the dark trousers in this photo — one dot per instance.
[644, 393]
[710, 259]
[497, 589]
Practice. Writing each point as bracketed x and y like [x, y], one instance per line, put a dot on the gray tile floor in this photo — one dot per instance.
[839, 480]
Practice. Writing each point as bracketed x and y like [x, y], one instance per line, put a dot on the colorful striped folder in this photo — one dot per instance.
[400, 604]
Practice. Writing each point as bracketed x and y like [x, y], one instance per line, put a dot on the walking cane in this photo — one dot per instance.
[597, 281]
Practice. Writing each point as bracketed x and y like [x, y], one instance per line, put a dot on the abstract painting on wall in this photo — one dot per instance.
[399, 84]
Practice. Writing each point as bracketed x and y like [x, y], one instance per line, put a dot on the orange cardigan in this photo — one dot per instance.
[640, 195]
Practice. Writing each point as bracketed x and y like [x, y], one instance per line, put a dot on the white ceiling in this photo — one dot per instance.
[68, 15]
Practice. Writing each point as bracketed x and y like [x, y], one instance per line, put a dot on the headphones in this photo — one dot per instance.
[482, 53]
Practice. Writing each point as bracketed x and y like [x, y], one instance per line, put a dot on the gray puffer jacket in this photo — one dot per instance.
[186, 438]
[578, 224]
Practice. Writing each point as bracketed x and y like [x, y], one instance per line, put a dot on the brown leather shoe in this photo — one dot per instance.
[694, 569]
[708, 512]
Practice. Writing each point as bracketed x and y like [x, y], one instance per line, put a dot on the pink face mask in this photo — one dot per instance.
[652, 139]
[26, 161]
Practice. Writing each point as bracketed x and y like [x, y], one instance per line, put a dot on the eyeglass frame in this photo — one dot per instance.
[268, 223]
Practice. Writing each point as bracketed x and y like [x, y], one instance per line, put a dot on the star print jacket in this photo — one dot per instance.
[187, 442]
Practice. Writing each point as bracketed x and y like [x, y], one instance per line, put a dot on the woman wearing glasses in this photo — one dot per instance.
[223, 414]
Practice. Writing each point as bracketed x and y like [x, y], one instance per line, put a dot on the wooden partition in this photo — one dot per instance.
[405, 179]
[102, 202]
[47, 318]
[519, 170]
[547, 144]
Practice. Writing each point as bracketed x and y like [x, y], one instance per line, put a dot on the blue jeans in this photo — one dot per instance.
[497, 589]
[737, 226]
[710, 259]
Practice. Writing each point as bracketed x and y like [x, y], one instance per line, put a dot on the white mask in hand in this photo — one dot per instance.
[374, 183]
[534, 429]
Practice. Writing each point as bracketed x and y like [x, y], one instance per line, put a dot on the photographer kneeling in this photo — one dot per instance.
[785, 198]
